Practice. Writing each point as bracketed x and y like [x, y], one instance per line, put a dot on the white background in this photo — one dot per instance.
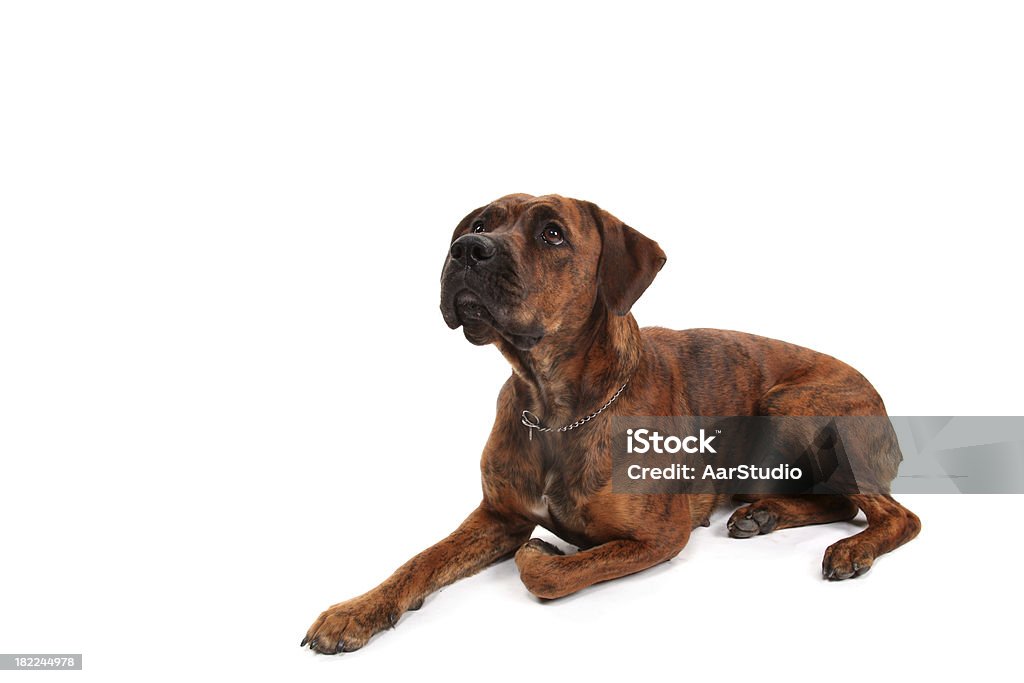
[228, 399]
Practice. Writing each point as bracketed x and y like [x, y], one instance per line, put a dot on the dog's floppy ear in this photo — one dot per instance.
[629, 261]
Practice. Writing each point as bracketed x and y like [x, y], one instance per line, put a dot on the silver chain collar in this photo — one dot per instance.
[532, 422]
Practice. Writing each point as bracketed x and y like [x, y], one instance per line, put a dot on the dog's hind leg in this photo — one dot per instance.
[768, 513]
[890, 525]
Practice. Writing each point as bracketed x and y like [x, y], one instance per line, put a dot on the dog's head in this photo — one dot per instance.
[525, 267]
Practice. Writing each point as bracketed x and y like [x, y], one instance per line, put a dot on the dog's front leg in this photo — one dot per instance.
[482, 539]
[549, 574]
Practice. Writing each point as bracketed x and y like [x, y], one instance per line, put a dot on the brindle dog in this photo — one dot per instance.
[550, 281]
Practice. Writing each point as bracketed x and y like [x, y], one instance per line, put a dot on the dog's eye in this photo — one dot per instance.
[552, 234]
[478, 226]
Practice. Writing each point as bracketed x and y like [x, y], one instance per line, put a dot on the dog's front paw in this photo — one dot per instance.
[537, 545]
[536, 561]
[347, 626]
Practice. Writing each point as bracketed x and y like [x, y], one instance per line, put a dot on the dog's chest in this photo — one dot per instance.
[540, 507]
[560, 511]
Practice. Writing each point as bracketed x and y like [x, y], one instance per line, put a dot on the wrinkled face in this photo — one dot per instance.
[524, 267]
[520, 268]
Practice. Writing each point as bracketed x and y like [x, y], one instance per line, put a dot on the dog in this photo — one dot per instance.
[550, 282]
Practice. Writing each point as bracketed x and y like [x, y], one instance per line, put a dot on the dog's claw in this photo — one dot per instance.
[341, 646]
[305, 640]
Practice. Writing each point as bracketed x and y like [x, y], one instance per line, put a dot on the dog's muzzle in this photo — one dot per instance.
[473, 251]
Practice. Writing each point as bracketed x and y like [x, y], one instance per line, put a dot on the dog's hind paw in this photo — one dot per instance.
[750, 521]
[844, 559]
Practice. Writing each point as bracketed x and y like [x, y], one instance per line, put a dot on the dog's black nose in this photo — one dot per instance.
[470, 250]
